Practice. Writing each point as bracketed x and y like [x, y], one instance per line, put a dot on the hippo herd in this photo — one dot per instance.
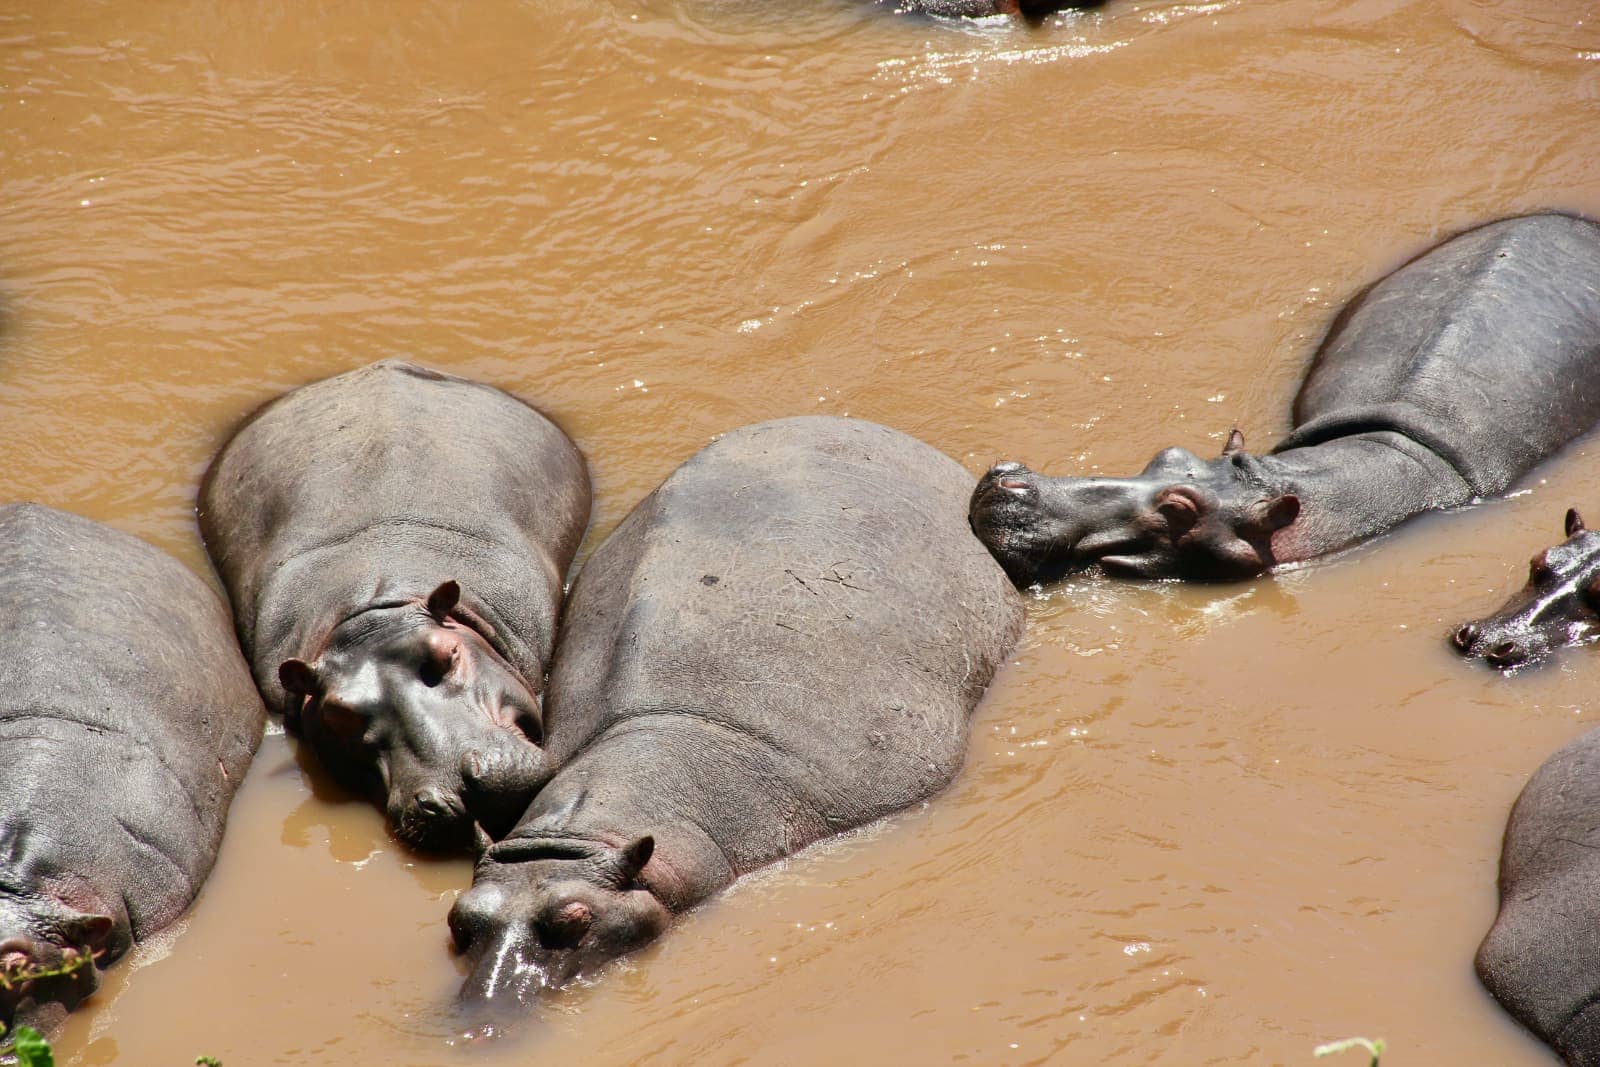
[784, 641]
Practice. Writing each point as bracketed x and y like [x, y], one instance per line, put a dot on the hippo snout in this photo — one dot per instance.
[1494, 646]
[431, 818]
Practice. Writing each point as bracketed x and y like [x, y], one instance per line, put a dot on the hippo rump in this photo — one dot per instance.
[1441, 384]
[1541, 958]
[395, 543]
[784, 641]
[129, 719]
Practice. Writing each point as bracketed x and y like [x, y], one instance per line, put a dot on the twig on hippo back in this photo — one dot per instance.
[72, 962]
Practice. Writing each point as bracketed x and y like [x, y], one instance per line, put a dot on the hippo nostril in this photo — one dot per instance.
[1464, 637]
[433, 802]
[1013, 483]
[1504, 654]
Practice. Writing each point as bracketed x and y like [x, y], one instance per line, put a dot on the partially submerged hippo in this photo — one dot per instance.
[1441, 384]
[784, 641]
[1028, 10]
[395, 542]
[127, 720]
[1559, 606]
[1541, 959]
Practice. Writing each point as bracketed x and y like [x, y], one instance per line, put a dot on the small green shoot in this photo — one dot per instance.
[207, 1061]
[1374, 1048]
[29, 1047]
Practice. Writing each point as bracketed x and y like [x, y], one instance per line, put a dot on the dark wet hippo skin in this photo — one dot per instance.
[1559, 606]
[1028, 10]
[1441, 384]
[1541, 958]
[127, 720]
[784, 641]
[395, 543]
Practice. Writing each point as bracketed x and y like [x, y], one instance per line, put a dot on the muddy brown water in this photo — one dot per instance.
[1198, 825]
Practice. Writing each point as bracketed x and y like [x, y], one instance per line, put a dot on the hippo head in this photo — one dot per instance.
[47, 955]
[1181, 517]
[1559, 606]
[542, 912]
[411, 700]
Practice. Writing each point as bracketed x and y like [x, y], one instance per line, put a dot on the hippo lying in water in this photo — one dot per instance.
[784, 641]
[1441, 384]
[1541, 959]
[1559, 606]
[129, 720]
[395, 542]
[1029, 10]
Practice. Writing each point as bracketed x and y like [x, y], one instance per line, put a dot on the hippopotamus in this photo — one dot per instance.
[1439, 385]
[1541, 958]
[395, 543]
[129, 718]
[1560, 605]
[783, 642]
[1027, 10]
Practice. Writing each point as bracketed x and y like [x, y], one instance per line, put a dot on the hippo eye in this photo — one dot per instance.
[434, 669]
[1539, 569]
[340, 720]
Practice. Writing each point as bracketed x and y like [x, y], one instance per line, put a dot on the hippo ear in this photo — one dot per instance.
[635, 855]
[1180, 506]
[442, 599]
[1575, 524]
[87, 931]
[1282, 510]
[1235, 443]
[297, 677]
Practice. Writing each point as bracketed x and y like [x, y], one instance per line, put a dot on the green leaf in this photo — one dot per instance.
[1373, 1047]
[32, 1049]
[207, 1061]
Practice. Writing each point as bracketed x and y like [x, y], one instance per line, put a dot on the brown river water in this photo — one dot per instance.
[1198, 824]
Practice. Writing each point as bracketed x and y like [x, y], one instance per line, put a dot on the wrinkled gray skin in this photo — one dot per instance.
[395, 541]
[782, 642]
[1441, 384]
[1028, 10]
[127, 720]
[1559, 606]
[1541, 958]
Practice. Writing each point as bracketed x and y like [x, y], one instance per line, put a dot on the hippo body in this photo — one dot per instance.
[1030, 10]
[395, 542]
[784, 641]
[129, 719]
[1541, 958]
[1441, 384]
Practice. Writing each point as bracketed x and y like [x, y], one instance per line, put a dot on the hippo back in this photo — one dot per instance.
[1485, 349]
[127, 720]
[436, 476]
[809, 585]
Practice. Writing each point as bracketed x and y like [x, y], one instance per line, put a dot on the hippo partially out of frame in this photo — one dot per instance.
[784, 641]
[1441, 384]
[1541, 958]
[1027, 10]
[127, 721]
[395, 542]
[1559, 605]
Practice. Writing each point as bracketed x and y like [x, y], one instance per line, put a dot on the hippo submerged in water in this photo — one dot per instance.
[784, 641]
[129, 719]
[1028, 10]
[1441, 384]
[1541, 958]
[395, 543]
[1559, 606]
